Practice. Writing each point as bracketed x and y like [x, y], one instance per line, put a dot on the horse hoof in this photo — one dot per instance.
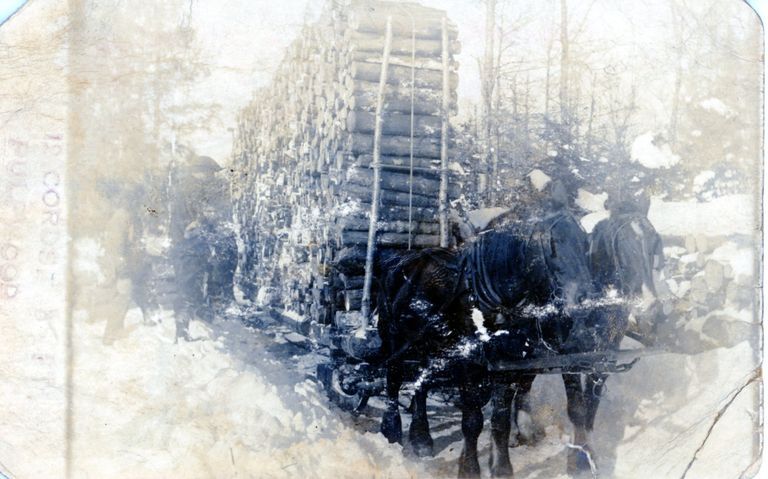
[581, 462]
[424, 449]
[469, 469]
[392, 427]
[469, 473]
[502, 470]
[521, 440]
[528, 438]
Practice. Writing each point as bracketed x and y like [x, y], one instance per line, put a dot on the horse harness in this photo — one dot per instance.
[482, 285]
[485, 296]
[457, 291]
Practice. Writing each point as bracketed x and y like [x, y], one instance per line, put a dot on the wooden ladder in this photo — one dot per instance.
[377, 166]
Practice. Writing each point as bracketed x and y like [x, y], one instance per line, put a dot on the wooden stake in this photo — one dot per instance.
[371, 250]
[410, 172]
[443, 211]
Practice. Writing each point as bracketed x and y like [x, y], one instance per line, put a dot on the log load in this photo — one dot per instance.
[362, 97]
[426, 49]
[407, 19]
[402, 182]
[302, 166]
[429, 167]
[388, 197]
[395, 240]
[392, 145]
[400, 76]
[395, 124]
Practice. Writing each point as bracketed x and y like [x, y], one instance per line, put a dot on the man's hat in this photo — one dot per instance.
[203, 164]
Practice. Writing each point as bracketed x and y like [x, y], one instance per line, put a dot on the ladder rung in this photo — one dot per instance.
[416, 169]
[408, 168]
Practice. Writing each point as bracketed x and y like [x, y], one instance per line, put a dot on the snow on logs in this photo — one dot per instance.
[302, 156]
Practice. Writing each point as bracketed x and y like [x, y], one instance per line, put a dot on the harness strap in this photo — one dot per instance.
[482, 285]
[544, 249]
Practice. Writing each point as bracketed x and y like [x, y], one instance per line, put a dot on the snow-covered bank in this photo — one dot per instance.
[146, 408]
[667, 405]
[723, 216]
[727, 215]
[655, 419]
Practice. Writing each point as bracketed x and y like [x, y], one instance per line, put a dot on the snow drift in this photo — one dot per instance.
[146, 408]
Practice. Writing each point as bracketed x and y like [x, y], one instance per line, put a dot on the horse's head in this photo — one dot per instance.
[628, 202]
[563, 247]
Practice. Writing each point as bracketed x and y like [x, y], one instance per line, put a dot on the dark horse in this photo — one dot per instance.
[424, 308]
[624, 252]
[532, 283]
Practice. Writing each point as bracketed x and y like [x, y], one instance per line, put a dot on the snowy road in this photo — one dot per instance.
[240, 402]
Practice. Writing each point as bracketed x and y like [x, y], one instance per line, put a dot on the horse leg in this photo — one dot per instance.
[418, 434]
[500, 427]
[471, 427]
[391, 424]
[527, 432]
[594, 385]
[580, 457]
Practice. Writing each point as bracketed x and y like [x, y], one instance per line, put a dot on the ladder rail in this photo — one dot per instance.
[443, 198]
[376, 196]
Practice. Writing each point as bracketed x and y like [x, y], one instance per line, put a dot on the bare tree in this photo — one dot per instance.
[550, 46]
[487, 81]
[564, 62]
[495, 120]
[677, 28]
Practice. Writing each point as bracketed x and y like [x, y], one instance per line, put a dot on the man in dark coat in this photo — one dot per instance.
[204, 252]
[222, 261]
[191, 257]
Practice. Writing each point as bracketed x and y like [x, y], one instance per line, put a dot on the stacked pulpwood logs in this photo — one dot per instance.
[304, 153]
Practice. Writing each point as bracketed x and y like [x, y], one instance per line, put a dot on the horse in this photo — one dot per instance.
[534, 287]
[424, 311]
[622, 254]
[532, 284]
[625, 252]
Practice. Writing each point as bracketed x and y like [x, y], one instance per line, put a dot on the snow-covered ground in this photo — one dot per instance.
[726, 215]
[243, 402]
[220, 406]
[232, 405]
